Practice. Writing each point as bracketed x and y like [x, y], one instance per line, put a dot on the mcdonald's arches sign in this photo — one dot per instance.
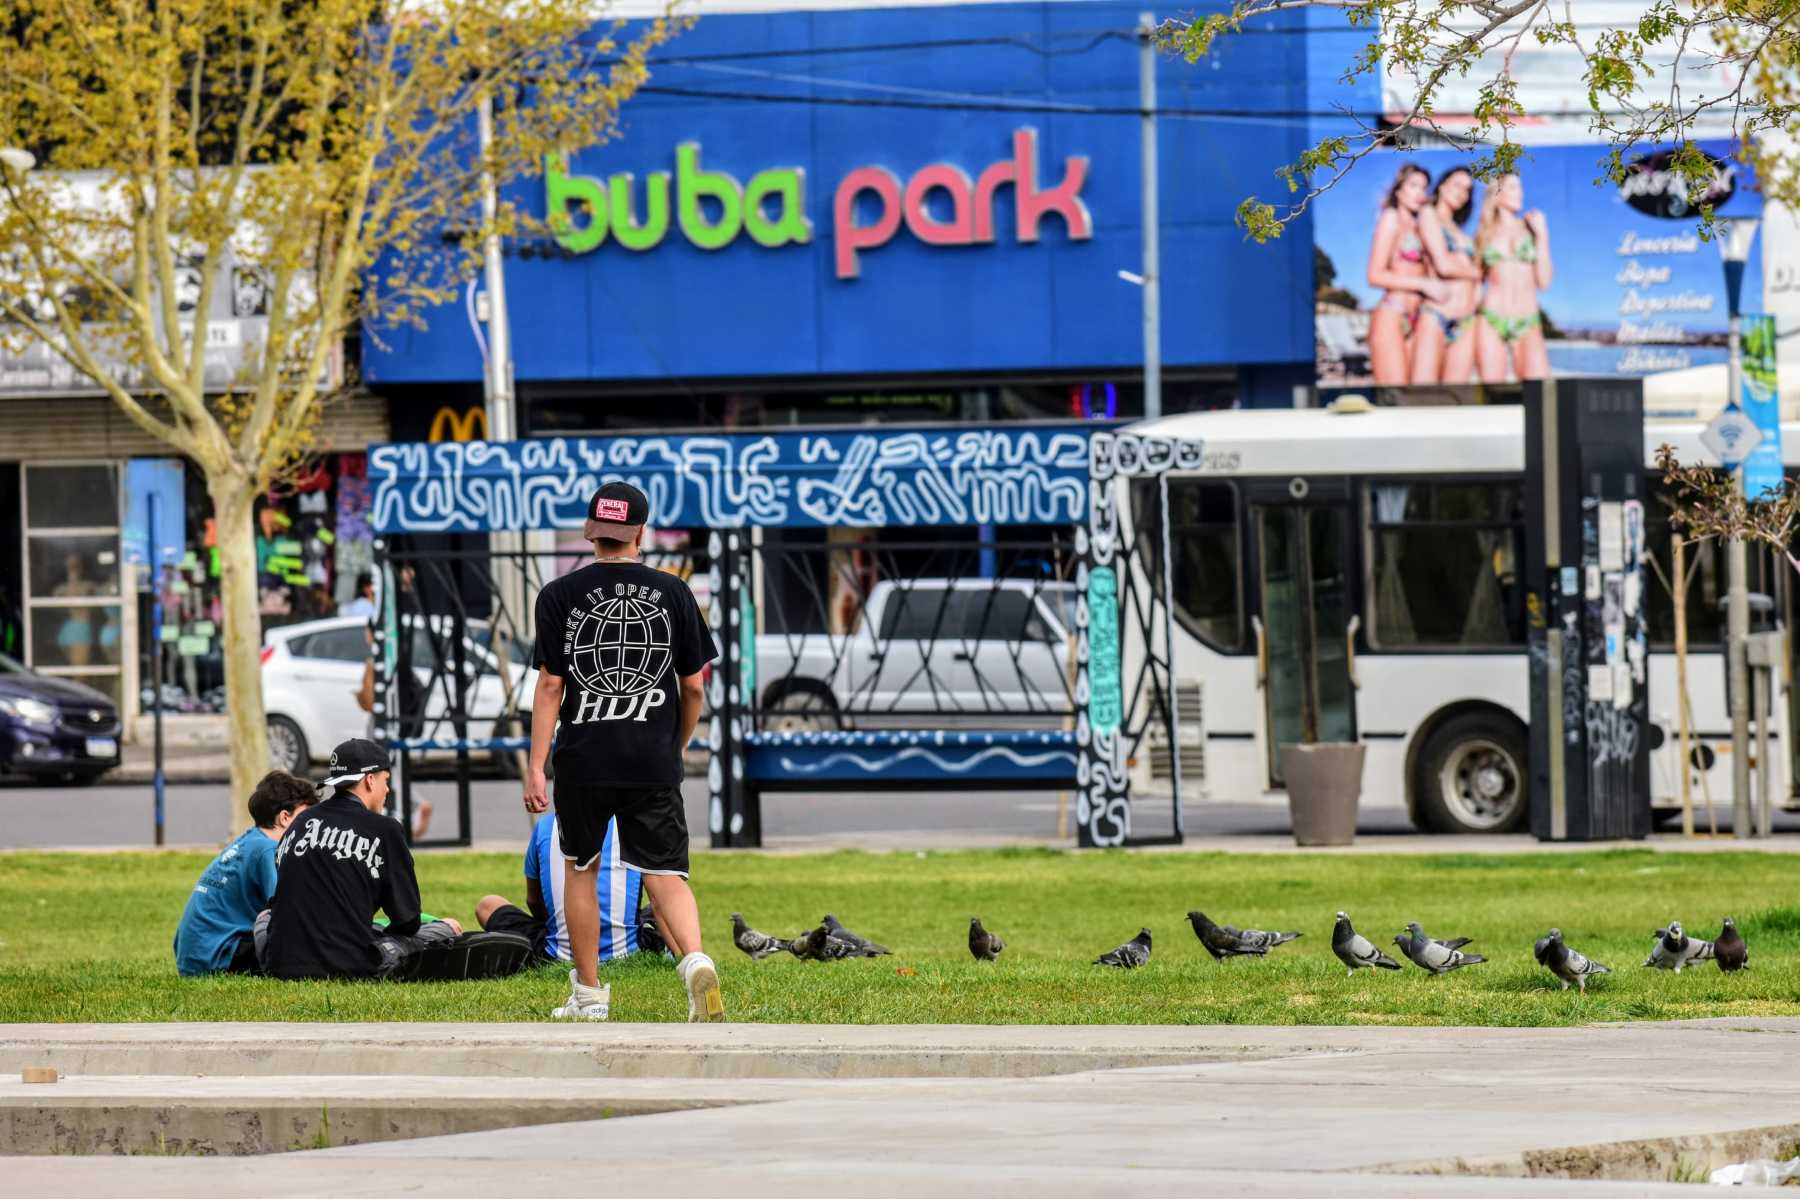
[449, 425]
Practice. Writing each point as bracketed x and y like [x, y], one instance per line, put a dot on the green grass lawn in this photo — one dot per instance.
[86, 937]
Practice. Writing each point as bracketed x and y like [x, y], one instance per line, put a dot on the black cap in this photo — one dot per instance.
[352, 760]
[616, 512]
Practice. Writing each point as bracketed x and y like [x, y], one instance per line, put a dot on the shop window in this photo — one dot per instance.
[72, 606]
[1444, 564]
[68, 565]
[73, 497]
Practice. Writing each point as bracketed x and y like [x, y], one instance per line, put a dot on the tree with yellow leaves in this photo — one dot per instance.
[154, 148]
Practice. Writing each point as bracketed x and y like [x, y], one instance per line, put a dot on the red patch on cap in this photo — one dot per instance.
[613, 510]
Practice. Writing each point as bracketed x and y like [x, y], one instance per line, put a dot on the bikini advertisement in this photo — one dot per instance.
[1431, 280]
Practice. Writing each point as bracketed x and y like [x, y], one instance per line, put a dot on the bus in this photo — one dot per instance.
[1356, 574]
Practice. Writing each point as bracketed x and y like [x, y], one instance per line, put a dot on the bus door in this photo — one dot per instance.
[1305, 625]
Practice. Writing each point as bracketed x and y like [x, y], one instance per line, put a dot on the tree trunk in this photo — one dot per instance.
[241, 629]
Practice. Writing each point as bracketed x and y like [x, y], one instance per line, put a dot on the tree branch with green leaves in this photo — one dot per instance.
[1641, 84]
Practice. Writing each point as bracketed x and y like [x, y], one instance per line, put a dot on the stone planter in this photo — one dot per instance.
[1324, 784]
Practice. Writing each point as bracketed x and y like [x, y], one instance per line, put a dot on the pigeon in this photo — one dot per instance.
[1675, 950]
[1223, 941]
[821, 946]
[1729, 950]
[1129, 956]
[757, 945]
[1565, 963]
[983, 944]
[1439, 957]
[1355, 950]
[843, 934]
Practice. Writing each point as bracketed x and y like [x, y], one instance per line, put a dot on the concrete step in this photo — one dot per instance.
[619, 1050]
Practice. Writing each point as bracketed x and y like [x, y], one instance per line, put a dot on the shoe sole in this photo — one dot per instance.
[704, 1002]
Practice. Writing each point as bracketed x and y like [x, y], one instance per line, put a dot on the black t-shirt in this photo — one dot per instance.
[620, 635]
[335, 866]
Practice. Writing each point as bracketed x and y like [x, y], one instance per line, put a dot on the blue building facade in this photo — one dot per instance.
[913, 212]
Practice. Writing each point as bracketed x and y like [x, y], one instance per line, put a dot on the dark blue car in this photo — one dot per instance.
[52, 729]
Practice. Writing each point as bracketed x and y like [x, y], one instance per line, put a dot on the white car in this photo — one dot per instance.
[311, 674]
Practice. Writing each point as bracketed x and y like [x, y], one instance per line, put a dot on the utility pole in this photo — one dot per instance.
[497, 379]
[1152, 253]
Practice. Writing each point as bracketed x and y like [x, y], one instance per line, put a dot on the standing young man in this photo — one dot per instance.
[620, 648]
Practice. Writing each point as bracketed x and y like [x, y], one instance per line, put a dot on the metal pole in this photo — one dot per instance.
[156, 654]
[1678, 590]
[1737, 622]
[1152, 254]
[498, 378]
[1765, 807]
[1168, 607]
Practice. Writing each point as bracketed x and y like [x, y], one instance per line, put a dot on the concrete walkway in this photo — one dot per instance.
[784, 1110]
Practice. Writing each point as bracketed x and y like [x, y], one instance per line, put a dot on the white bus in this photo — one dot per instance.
[1358, 576]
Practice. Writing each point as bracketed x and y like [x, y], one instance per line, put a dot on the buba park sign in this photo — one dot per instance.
[584, 211]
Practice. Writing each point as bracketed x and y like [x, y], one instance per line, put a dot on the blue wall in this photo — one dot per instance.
[746, 310]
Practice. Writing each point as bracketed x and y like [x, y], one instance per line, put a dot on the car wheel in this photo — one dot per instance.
[1472, 777]
[287, 746]
[802, 710]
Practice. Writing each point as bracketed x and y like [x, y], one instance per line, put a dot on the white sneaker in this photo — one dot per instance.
[701, 978]
[584, 1003]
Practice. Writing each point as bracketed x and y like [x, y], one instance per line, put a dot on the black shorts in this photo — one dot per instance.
[508, 918]
[653, 837]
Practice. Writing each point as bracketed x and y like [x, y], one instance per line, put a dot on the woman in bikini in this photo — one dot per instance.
[1443, 346]
[1515, 252]
[1397, 265]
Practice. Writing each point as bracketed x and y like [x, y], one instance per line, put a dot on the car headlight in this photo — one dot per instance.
[31, 711]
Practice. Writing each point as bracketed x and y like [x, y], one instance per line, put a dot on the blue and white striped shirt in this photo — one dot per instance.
[620, 889]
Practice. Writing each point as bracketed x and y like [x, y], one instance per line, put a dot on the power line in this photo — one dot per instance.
[1095, 39]
[999, 104]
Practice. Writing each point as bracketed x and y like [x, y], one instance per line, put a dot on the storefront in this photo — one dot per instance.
[77, 551]
[898, 214]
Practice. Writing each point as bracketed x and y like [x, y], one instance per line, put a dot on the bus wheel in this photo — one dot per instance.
[1472, 777]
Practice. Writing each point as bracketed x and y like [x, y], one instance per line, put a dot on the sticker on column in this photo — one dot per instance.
[1612, 536]
[1634, 533]
[1104, 698]
[1599, 684]
[1612, 619]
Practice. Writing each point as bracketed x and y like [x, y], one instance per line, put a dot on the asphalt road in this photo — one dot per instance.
[196, 815]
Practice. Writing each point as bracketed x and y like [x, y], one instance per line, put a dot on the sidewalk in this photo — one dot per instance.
[779, 1111]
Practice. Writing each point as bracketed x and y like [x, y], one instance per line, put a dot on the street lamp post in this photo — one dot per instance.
[1735, 240]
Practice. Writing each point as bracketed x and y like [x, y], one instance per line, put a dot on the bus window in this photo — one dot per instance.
[1444, 561]
[1706, 581]
[1203, 540]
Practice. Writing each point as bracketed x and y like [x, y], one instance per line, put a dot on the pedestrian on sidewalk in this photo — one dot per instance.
[620, 648]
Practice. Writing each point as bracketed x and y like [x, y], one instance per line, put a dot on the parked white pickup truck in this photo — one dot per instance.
[968, 647]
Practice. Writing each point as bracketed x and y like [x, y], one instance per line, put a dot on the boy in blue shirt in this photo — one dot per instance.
[214, 935]
[620, 890]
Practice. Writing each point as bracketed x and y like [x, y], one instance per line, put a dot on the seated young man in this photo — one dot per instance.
[341, 863]
[620, 889]
[215, 935]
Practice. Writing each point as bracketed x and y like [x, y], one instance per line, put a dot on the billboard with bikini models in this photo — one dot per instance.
[1429, 279]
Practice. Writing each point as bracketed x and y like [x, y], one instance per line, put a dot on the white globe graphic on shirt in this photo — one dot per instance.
[621, 647]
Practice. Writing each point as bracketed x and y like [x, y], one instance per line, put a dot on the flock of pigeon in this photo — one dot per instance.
[826, 943]
[1672, 950]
